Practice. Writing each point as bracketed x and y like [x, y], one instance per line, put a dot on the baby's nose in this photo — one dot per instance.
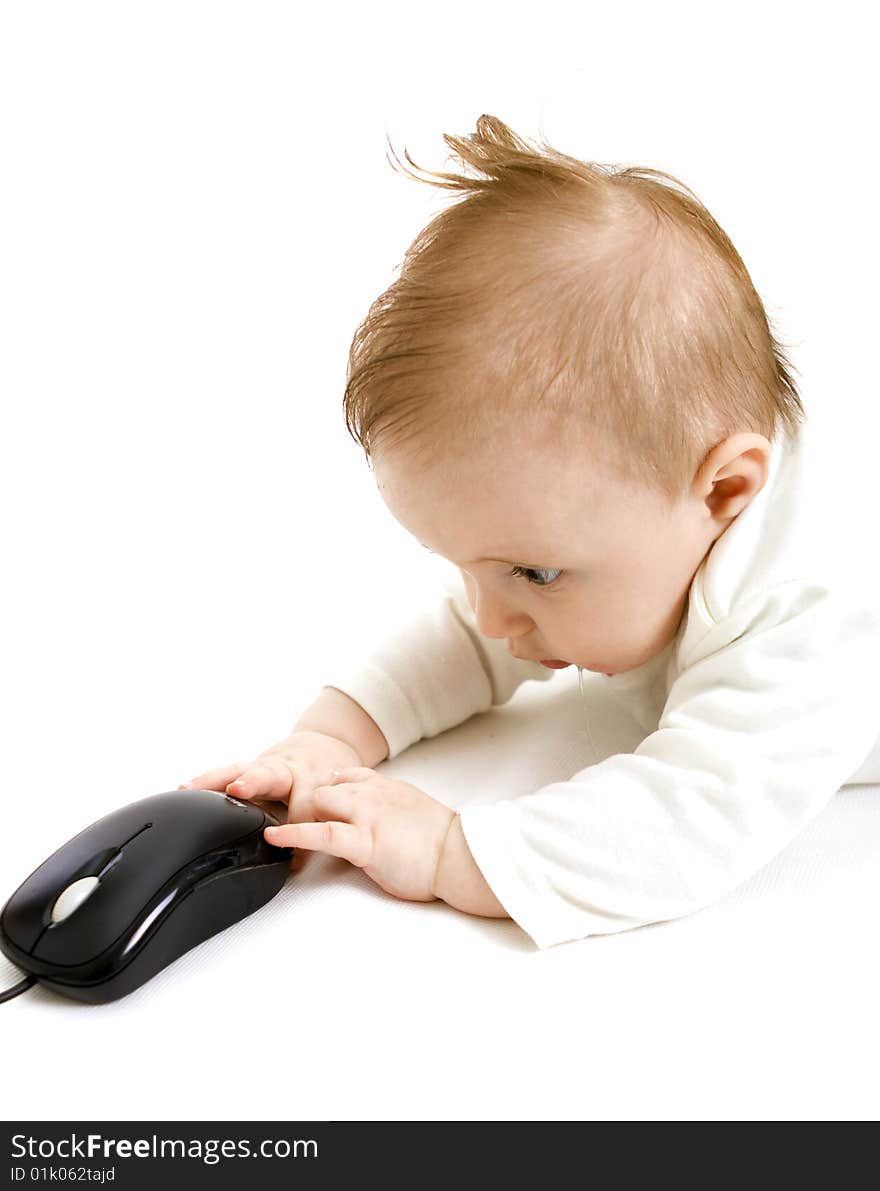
[493, 619]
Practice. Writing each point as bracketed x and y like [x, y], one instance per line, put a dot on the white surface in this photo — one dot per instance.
[197, 211]
[337, 1001]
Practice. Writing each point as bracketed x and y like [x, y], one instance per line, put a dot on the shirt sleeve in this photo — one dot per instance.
[777, 708]
[435, 672]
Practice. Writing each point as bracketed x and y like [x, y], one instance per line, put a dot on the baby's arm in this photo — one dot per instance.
[774, 710]
[336, 714]
[432, 674]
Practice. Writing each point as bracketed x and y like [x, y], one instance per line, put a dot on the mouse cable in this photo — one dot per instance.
[23, 985]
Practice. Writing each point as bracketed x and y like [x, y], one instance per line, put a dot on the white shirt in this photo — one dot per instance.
[763, 705]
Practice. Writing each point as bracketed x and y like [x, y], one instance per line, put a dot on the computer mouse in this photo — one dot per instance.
[140, 887]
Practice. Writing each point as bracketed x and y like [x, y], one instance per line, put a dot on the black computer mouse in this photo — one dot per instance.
[137, 889]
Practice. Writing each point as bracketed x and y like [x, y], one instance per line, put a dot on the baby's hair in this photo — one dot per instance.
[587, 303]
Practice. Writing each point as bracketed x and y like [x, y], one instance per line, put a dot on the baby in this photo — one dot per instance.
[572, 393]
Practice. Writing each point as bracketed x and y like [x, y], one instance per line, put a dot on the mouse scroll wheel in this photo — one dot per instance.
[73, 897]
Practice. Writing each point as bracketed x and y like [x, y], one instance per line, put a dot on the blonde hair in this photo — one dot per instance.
[567, 299]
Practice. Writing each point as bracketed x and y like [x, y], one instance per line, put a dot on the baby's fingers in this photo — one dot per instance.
[215, 779]
[269, 779]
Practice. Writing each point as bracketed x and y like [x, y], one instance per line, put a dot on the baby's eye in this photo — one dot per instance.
[527, 572]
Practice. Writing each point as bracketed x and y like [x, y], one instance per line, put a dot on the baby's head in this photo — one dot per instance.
[570, 392]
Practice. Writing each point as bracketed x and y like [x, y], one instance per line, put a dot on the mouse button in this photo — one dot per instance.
[111, 909]
[189, 879]
[135, 850]
[26, 913]
[128, 882]
[256, 850]
[73, 897]
[209, 865]
[113, 917]
[181, 841]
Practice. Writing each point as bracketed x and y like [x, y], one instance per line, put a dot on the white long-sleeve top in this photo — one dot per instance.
[762, 706]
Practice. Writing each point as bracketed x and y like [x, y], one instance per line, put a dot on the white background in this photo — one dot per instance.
[196, 210]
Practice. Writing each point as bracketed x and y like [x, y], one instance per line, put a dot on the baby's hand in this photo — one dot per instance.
[392, 830]
[285, 773]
